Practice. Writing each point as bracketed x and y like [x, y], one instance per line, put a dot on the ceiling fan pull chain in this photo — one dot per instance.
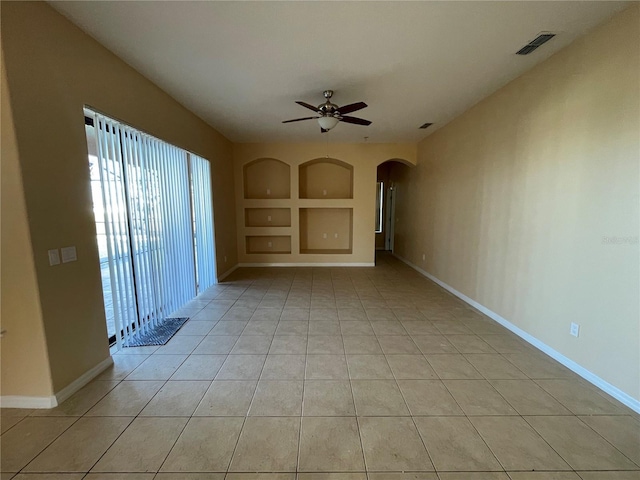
[328, 142]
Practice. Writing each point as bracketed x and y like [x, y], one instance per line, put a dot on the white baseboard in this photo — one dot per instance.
[19, 401]
[615, 392]
[308, 264]
[227, 273]
[83, 379]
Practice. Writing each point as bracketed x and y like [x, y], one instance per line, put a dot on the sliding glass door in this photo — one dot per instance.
[154, 219]
[202, 222]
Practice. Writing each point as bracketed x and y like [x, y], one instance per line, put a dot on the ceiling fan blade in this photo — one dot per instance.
[352, 107]
[355, 120]
[299, 119]
[306, 105]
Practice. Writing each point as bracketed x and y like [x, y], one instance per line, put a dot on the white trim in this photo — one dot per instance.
[83, 379]
[227, 273]
[19, 401]
[615, 392]
[307, 264]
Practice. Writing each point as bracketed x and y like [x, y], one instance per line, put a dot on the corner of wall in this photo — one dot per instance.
[25, 372]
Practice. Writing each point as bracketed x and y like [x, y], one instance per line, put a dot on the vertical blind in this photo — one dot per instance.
[158, 219]
[203, 221]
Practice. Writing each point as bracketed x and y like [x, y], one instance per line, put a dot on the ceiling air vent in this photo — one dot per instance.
[425, 125]
[535, 43]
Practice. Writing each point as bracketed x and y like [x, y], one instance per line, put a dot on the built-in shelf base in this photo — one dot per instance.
[326, 230]
[267, 217]
[327, 251]
[268, 244]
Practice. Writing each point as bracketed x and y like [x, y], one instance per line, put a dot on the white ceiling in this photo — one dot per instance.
[241, 65]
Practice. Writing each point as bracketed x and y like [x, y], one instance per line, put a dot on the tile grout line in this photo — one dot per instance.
[606, 440]
[395, 381]
[304, 384]
[138, 415]
[474, 427]
[111, 445]
[355, 412]
[352, 394]
[48, 444]
[244, 421]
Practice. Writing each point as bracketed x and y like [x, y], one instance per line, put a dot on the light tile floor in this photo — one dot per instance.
[333, 374]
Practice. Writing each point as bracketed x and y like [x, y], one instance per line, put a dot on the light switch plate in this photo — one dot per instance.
[68, 254]
[575, 329]
[54, 257]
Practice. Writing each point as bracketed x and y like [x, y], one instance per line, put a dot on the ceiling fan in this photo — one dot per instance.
[331, 114]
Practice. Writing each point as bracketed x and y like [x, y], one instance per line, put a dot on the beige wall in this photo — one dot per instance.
[53, 70]
[24, 368]
[511, 201]
[364, 158]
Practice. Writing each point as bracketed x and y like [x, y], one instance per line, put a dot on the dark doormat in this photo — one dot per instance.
[158, 335]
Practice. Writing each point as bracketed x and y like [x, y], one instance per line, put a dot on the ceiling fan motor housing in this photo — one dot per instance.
[328, 108]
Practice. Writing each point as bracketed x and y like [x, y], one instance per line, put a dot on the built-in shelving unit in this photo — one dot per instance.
[316, 221]
[308, 203]
[326, 178]
[326, 230]
[267, 217]
[266, 178]
[268, 244]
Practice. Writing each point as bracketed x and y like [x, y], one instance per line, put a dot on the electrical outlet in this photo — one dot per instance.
[324, 192]
[225, 259]
[335, 235]
[269, 244]
[268, 218]
[68, 254]
[54, 257]
[324, 235]
[575, 329]
[424, 257]
[268, 191]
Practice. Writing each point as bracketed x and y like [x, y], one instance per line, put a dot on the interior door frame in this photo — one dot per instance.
[390, 216]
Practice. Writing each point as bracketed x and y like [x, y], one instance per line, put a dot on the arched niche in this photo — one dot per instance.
[267, 178]
[326, 178]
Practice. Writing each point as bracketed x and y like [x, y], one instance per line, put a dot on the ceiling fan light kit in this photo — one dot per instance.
[331, 114]
[327, 123]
